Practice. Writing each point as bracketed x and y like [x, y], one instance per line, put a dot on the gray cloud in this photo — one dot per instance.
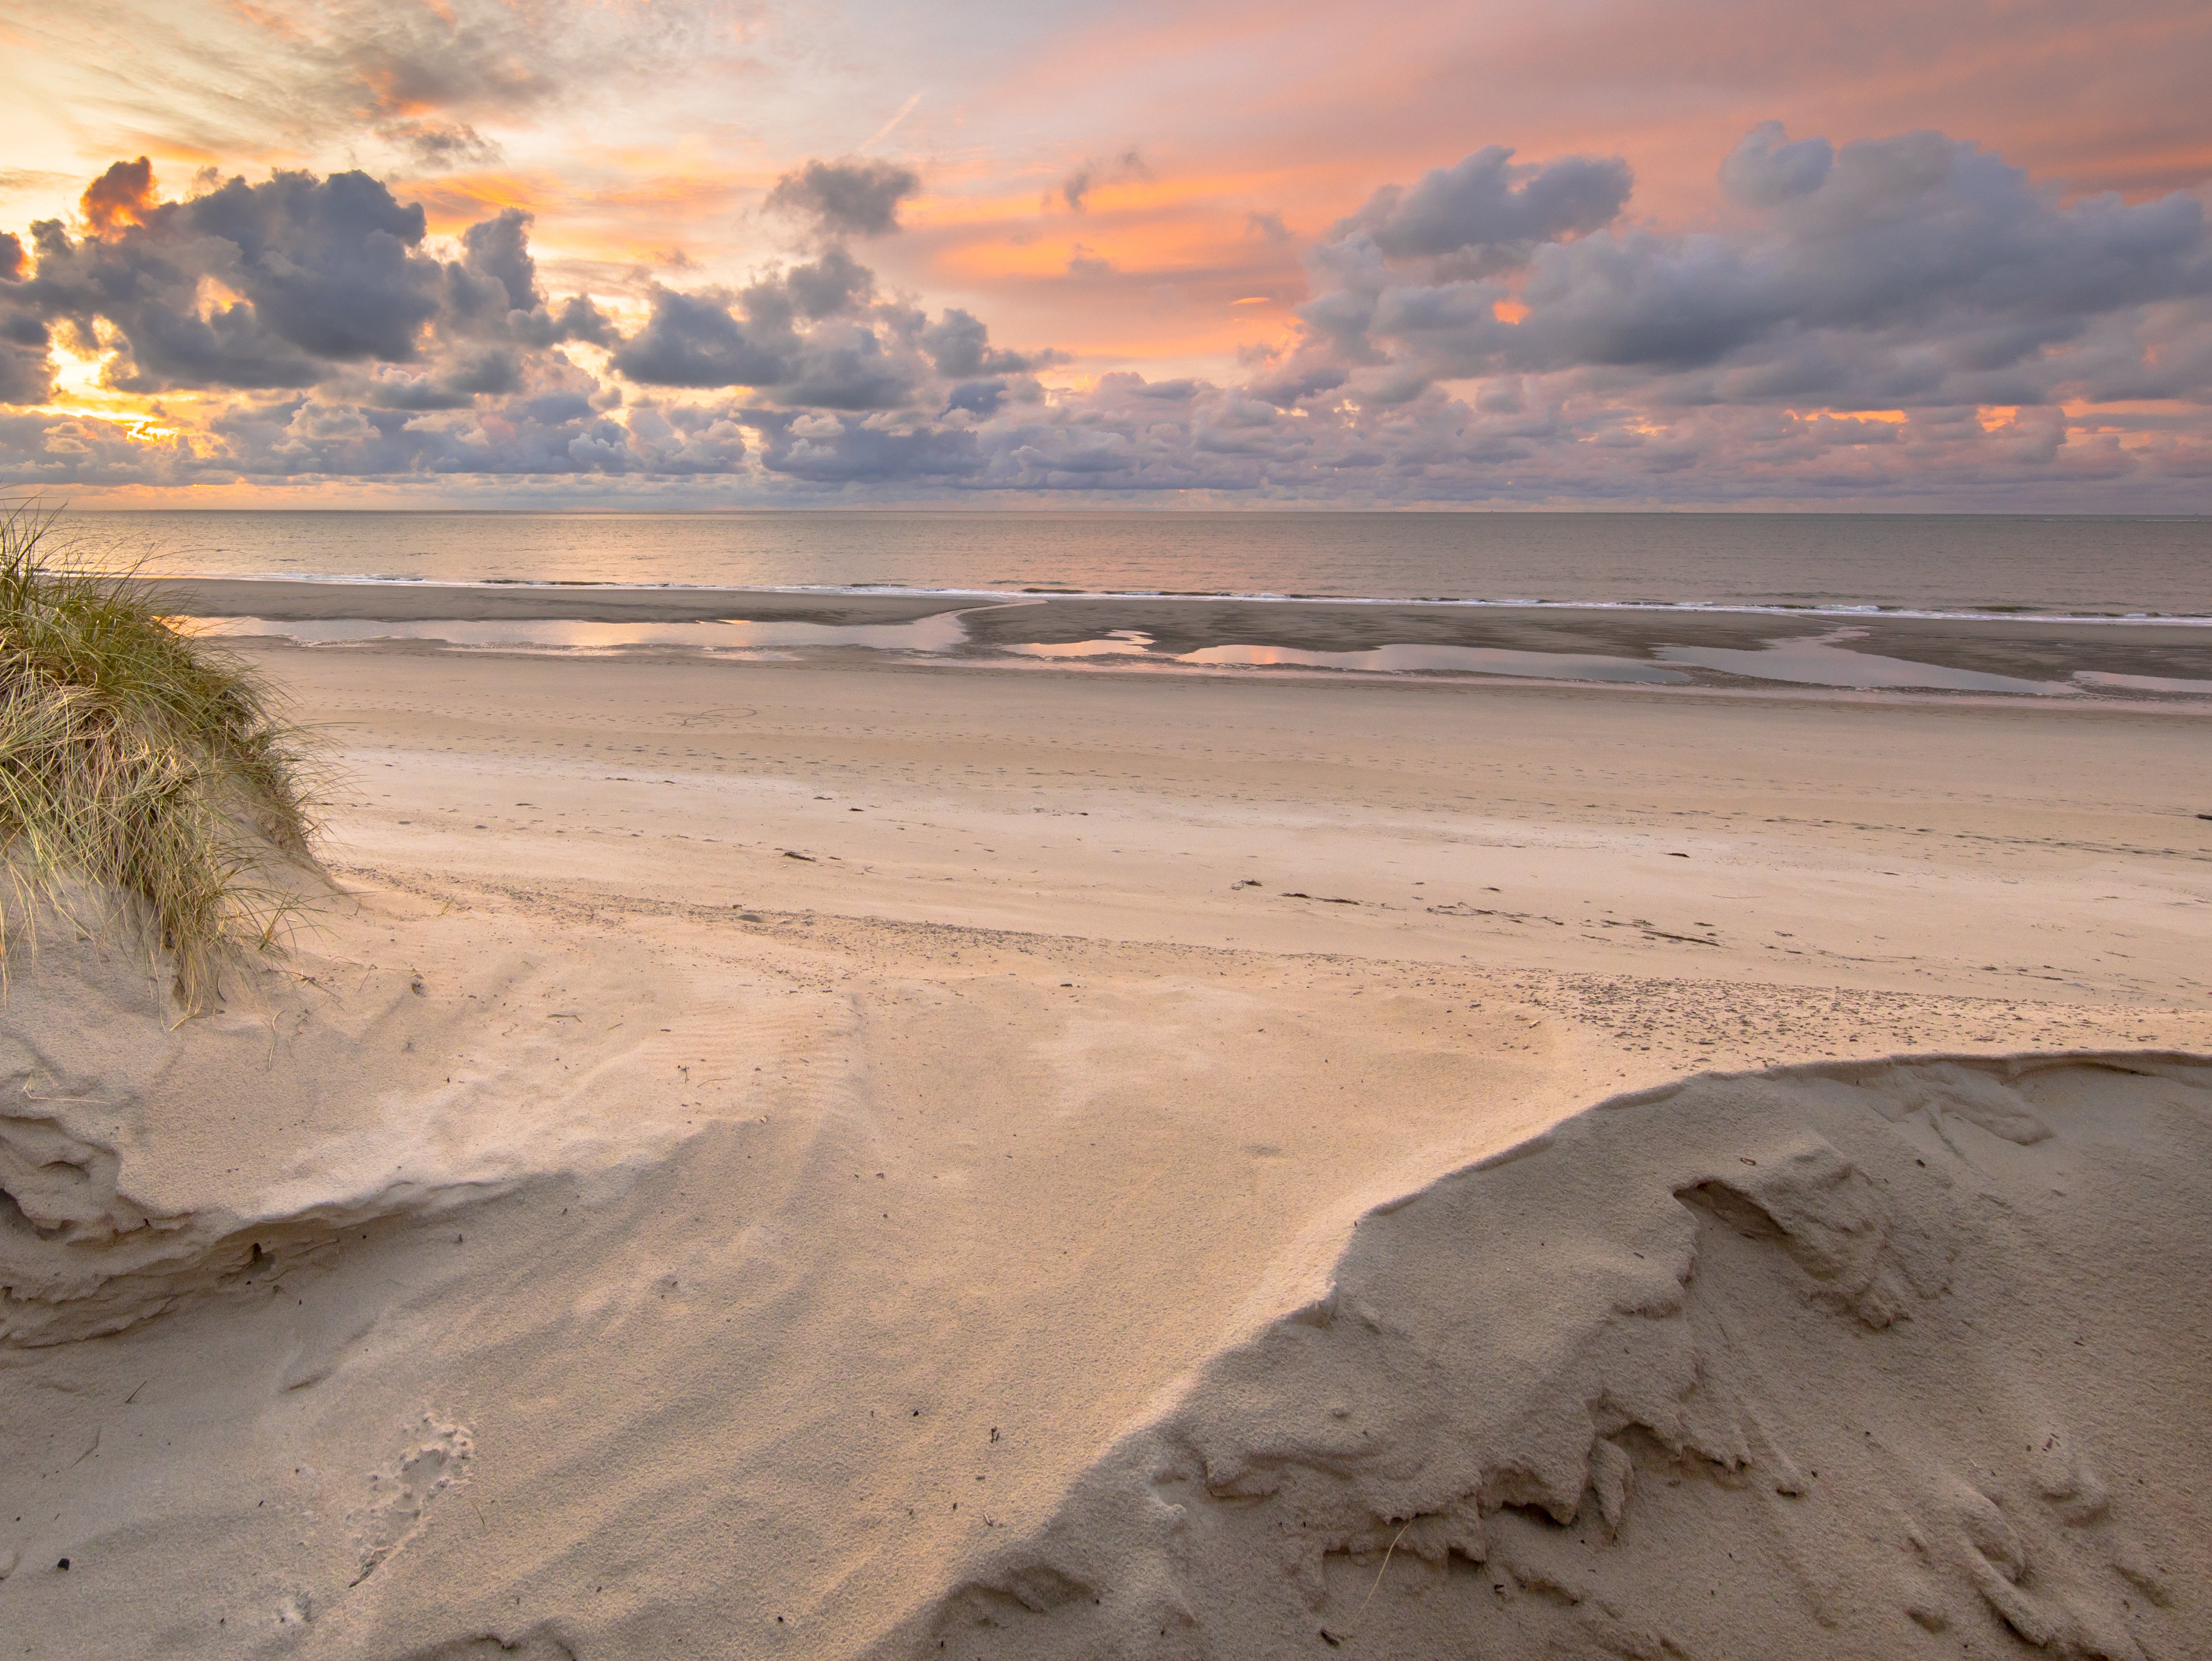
[831, 450]
[959, 343]
[325, 271]
[26, 372]
[1913, 270]
[285, 284]
[326, 336]
[1082, 180]
[498, 248]
[1486, 206]
[693, 340]
[978, 397]
[1765, 170]
[810, 334]
[847, 198]
[850, 366]
[436, 146]
[829, 287]
[25, 360]
[814, 335]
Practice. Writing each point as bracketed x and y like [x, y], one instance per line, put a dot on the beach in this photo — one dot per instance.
[1193, 833]
[793, 1155]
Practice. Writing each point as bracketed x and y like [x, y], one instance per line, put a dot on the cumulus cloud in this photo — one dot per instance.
[286, 284]
[1918, 270]
[354, 346]
[26, 356]
[385, 357]
[247, 286]
[812, 333]
[1900, 316]
[834, 284]
[959, 343]
[118, 196]
[498, 248]
[695, 340]
[832, 450]
[847, 197]
[817, 335]
[1486, 207]
[1766, 169]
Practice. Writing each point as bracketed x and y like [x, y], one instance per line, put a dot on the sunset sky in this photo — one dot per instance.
[683, 254]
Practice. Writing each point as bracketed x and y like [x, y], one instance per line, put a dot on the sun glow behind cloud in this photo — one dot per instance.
[1160, 191]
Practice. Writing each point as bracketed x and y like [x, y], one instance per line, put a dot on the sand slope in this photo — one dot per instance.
[1863, 1360]
[310, 1352]
[767, 1140]
[330, 1092]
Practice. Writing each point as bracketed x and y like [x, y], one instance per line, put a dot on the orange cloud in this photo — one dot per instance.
[120, 195]
[455, 201]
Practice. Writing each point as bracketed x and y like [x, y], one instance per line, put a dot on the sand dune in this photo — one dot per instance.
[661, 1210]
[1843, 1360]
[386, 1102]
[1857, 1356]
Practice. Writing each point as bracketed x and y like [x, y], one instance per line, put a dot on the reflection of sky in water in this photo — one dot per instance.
[1819, 662]
[1466, 660]
[941, 632]
[1822, 664]
[2097, 677]
[1120, 643]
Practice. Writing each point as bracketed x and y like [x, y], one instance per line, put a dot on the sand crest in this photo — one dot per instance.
[1817, 1362]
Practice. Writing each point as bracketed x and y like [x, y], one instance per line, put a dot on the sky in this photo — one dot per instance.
[1911, 254]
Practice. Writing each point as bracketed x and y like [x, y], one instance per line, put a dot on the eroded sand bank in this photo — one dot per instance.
[669, 1211]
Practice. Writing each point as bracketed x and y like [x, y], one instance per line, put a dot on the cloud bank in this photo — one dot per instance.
[1897, 318]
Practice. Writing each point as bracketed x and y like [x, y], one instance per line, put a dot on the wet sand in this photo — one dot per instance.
[2024, 648]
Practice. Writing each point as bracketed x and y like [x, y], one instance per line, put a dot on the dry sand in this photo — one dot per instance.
[813, 1158]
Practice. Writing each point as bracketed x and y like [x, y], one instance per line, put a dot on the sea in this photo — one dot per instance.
[1929, 564]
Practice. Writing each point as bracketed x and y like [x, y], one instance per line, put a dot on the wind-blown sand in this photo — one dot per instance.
[666, 1212]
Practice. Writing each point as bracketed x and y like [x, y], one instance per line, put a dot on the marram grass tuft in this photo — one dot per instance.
[139, 768]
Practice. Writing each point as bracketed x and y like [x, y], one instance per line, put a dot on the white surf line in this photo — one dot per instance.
[1855, 612]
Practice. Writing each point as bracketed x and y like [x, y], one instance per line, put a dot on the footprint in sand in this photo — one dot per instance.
[399, 1498]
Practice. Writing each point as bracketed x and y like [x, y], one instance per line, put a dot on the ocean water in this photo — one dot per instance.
[2071, 565]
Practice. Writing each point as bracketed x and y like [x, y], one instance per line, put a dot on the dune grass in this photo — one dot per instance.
[141, 772]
